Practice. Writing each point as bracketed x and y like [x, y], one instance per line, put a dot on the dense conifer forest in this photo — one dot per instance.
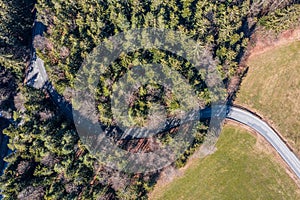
[48, 159]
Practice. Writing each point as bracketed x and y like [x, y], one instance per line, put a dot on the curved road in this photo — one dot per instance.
[261, 127]
[36, 77]
[237, 114]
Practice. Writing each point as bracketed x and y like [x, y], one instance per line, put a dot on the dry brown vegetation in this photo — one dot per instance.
[271, 86]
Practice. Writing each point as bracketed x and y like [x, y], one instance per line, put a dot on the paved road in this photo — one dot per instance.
[37, 77]
[261, 127]
[233, 113]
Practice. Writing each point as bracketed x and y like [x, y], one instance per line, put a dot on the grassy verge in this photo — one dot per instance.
[272, 87]
[237, 170]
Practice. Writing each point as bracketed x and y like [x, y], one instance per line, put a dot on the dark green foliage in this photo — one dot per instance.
[215, 25]
[282, 19]
[16, 22]
[15, 34]
[47, 155]
[48, 160]
[7, 89]
[199, 135]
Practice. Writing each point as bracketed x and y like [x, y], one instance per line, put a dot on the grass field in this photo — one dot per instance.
[237, 170]
[272, 88]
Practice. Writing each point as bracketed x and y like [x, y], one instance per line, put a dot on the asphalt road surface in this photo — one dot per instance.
[233, 113]
[40, 78]
[261, 127]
